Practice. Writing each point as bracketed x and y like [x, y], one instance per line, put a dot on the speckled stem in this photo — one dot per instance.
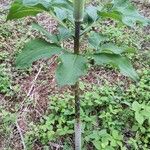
[78, 17]
[76, 92]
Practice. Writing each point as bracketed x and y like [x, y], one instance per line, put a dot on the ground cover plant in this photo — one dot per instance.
[91, 49]
[105, 123]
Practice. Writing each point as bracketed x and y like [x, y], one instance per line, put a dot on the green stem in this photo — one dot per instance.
[79, 10]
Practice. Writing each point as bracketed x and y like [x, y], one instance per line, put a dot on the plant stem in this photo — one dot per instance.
[78, 16]
[79, 10]
[77, 118]
[76, 91]
[77, 38]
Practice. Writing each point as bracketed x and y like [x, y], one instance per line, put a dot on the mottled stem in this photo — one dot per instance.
[76, 92]
[78, 16]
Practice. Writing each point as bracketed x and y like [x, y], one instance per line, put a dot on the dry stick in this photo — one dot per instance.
[31, 89]
[33, 82]
[57, 146]
[22, 104]
[21, 136]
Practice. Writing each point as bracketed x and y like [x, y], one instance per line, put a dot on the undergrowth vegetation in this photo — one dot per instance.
[120, 120]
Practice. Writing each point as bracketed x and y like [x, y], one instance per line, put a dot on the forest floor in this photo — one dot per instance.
[27, 93]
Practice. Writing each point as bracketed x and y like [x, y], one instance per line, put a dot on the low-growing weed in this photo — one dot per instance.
[110, 121]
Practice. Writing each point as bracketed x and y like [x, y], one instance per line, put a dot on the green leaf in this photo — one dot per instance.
[34, 50]
[123, 11]
[72, 67]
[115, 134]
[110, 47]
[48, 35]
[136, 106]
[20, 10]
[126, 68]
[45, 3]
[122, 63]
[109, 148]
[63, 10]
[64, 33]
[130, 15]
[63, 4]
[92, 12]
[96, 39]
[113, 15]
[103, 133]
[61, 13]
[139, 118]
[145, 112]
[97, 144]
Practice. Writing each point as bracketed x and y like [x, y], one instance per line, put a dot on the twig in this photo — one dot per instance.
[22, 105]
[57, 146]
[33, 82]
[31, 88]
[21, 135]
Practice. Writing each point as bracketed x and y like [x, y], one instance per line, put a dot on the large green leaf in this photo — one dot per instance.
[111, 14]
[130, 15]
[63, 9]
[92, 12]
[19, 9]
[72, 67]
[34, 50]
[96, 39]
[64, 33]
[112, 48]
[120, 62]
[48, 35]
[45, 3]
[62, 4]
[124, 11]
[63, 13]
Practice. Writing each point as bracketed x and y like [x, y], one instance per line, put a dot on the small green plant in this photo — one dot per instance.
[5, 82]
[6, 87]
[108, 119]
[141, 112]
[60, 123]
[75, 23]
[7, 119]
